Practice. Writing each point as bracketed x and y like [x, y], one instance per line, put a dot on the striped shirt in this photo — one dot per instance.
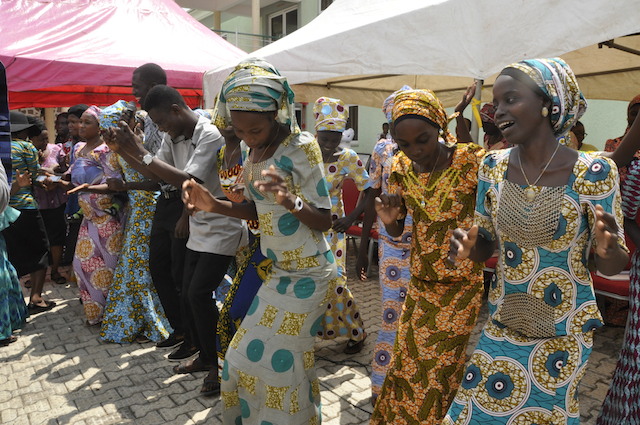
[24, 157]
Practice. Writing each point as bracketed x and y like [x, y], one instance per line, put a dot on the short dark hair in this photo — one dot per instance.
[37, 127]
[151, 73]
[162, 97]
[64, 115]
[77, 110]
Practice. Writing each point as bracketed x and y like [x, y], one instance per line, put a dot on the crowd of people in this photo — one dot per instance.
[166, 211]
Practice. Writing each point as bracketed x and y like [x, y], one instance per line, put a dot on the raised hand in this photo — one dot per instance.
[466, 98]
[275, 184]
[389, 207]
[606, 233]
[196, 197]
[462, 242]
[23, 180]
[123, 140]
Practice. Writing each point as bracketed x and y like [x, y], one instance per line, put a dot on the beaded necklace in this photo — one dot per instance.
[439, 189]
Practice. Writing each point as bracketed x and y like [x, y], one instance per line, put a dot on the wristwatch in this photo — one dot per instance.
[297, 205]
[147, 158]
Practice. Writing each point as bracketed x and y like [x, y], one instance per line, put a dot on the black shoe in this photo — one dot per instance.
[182, 352]
[171, 342]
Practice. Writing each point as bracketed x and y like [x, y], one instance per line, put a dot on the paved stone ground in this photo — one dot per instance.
[58, 372]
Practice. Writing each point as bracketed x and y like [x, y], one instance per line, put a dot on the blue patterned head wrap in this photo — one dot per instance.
[387, 105]
[557, 81]
[111, 115]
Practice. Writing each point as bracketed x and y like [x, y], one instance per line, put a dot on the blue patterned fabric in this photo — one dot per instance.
[133, 307]
[512, 377]
[13, 310]
[556, 80]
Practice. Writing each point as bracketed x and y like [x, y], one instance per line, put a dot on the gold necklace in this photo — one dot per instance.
[224, 155]
[529, 191]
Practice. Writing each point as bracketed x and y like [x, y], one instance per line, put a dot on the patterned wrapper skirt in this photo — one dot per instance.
[429, 354]
[269, 373]
[513, 379]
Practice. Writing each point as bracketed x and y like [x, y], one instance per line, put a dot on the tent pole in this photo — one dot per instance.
[475, 103]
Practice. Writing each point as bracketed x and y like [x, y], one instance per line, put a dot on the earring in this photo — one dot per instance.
[545, 111]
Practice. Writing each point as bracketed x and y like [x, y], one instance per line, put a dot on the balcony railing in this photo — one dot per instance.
[246, 41]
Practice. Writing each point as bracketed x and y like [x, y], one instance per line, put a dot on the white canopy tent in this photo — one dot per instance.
[362, 50]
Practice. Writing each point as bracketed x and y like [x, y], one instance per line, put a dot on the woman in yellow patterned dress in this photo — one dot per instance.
[342, 317]
[435, 181]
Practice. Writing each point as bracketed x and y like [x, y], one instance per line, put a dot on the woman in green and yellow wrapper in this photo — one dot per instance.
[269, 373]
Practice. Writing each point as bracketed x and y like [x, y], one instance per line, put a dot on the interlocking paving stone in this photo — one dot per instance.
[59, 372]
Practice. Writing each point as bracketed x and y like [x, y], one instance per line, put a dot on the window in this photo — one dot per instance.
[324, 4]
[283, 23]
[352, 122]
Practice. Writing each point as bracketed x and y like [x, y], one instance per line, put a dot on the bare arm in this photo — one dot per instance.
[628, 146]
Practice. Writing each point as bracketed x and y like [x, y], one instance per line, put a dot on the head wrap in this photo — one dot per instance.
[330, 114]
[635, 101]
[488, 113]
[256, 86]
[94, 111]
[111, 115]
[77, 110]
[557, 81]
[203, 113]
[423, 103]
[387, 105]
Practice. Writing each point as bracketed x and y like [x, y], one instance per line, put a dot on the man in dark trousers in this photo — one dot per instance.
[170, 229]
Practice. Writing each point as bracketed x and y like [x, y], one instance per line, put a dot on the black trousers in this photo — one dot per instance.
[203, 272]
[166, 259]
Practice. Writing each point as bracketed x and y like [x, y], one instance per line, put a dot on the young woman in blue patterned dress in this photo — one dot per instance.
[543, 205]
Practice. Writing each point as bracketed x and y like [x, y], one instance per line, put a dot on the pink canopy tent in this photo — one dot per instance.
[62, 52]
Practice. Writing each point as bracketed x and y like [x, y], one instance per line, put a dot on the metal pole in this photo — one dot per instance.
[477, 98]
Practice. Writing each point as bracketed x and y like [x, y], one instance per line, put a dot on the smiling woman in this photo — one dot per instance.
[269, 374]
[543, 204]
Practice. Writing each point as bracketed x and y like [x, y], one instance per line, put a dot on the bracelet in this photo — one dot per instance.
[297, 205]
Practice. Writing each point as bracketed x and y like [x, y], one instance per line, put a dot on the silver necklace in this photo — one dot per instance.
[529, 191]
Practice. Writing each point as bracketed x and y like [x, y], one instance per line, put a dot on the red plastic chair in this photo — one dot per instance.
[350, 197]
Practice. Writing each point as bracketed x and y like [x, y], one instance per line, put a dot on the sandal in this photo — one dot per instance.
[35, 308]
[58, 278]
[210, 385]
[191, 366]
[13, 338]
[354, 347]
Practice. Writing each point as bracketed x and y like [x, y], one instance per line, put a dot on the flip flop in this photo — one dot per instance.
[35, 309]
[13, 338]
[58, 279]
[354, 347]
[210, 385]
[191, 366]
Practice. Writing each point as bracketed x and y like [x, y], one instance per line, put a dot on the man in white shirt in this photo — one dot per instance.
[189, 150]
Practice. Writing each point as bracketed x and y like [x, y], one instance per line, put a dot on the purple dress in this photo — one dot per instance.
[100, 236]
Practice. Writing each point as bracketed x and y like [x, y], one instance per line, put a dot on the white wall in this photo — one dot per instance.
[604, 119]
